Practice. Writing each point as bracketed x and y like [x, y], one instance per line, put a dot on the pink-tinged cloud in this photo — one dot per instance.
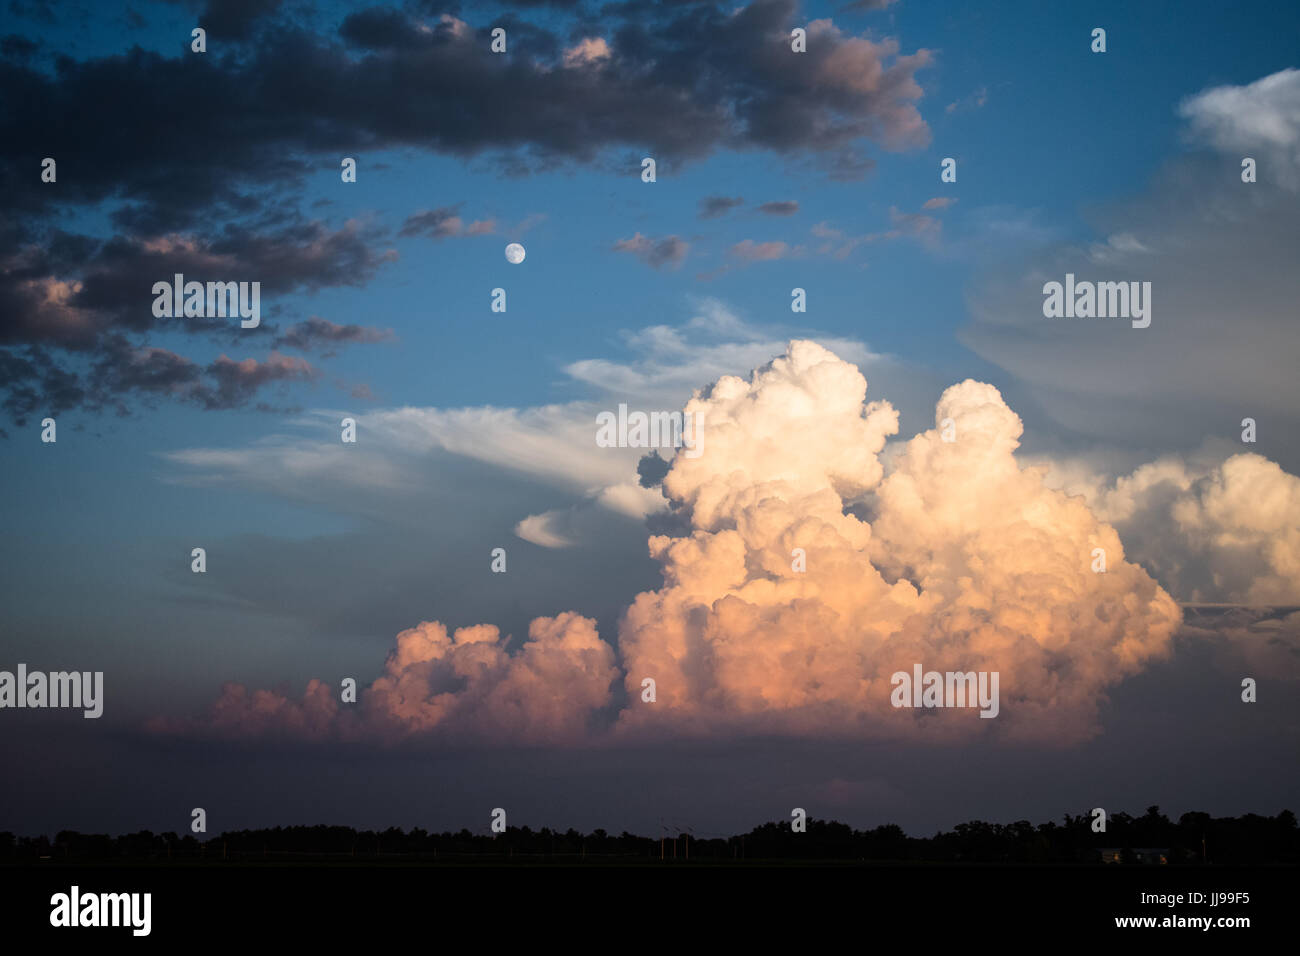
[812, 566]
[914, 224]
[667, 251]
[751, 251]
[445, 223]
[587, 52]
[458, 687]
[854, 67]
[958, 560]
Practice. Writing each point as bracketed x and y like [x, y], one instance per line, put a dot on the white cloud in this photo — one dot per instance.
[538, 530]
[1262, 117]
[1221, 532]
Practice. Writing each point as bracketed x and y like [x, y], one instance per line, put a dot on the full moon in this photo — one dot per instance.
[515, 253]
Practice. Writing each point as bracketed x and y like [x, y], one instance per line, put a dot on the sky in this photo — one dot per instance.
[945, 455]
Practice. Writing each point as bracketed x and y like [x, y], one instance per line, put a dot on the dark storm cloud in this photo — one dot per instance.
[713, 206]
[38, 384]
[701, 80]
[76, 289]
[230, 19]
[321, 334]
[15, 47]
[651, 470]
[788, 208]
[69, 310]
[41, 11]
[224, 383]
[198, 160]
[235, 18]
[443, 223]
[236, 383]
[34, 382]
[379, 29]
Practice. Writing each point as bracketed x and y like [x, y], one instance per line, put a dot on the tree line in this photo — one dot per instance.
[1193, 838]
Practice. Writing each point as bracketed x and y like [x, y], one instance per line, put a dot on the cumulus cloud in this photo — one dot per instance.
[445, 223]
[460, 687]
[751, 251]
[543, 693]
[540, 530]
[317, 333]
[950, 554]
[668, 251]
[1213, 532]
[963, 561]
[711, 207]
[237, 381]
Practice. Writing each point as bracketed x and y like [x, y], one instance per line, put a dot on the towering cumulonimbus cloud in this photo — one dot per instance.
[810, 566]
[958, 560]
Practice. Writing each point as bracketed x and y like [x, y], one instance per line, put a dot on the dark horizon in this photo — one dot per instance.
[1193, 838]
